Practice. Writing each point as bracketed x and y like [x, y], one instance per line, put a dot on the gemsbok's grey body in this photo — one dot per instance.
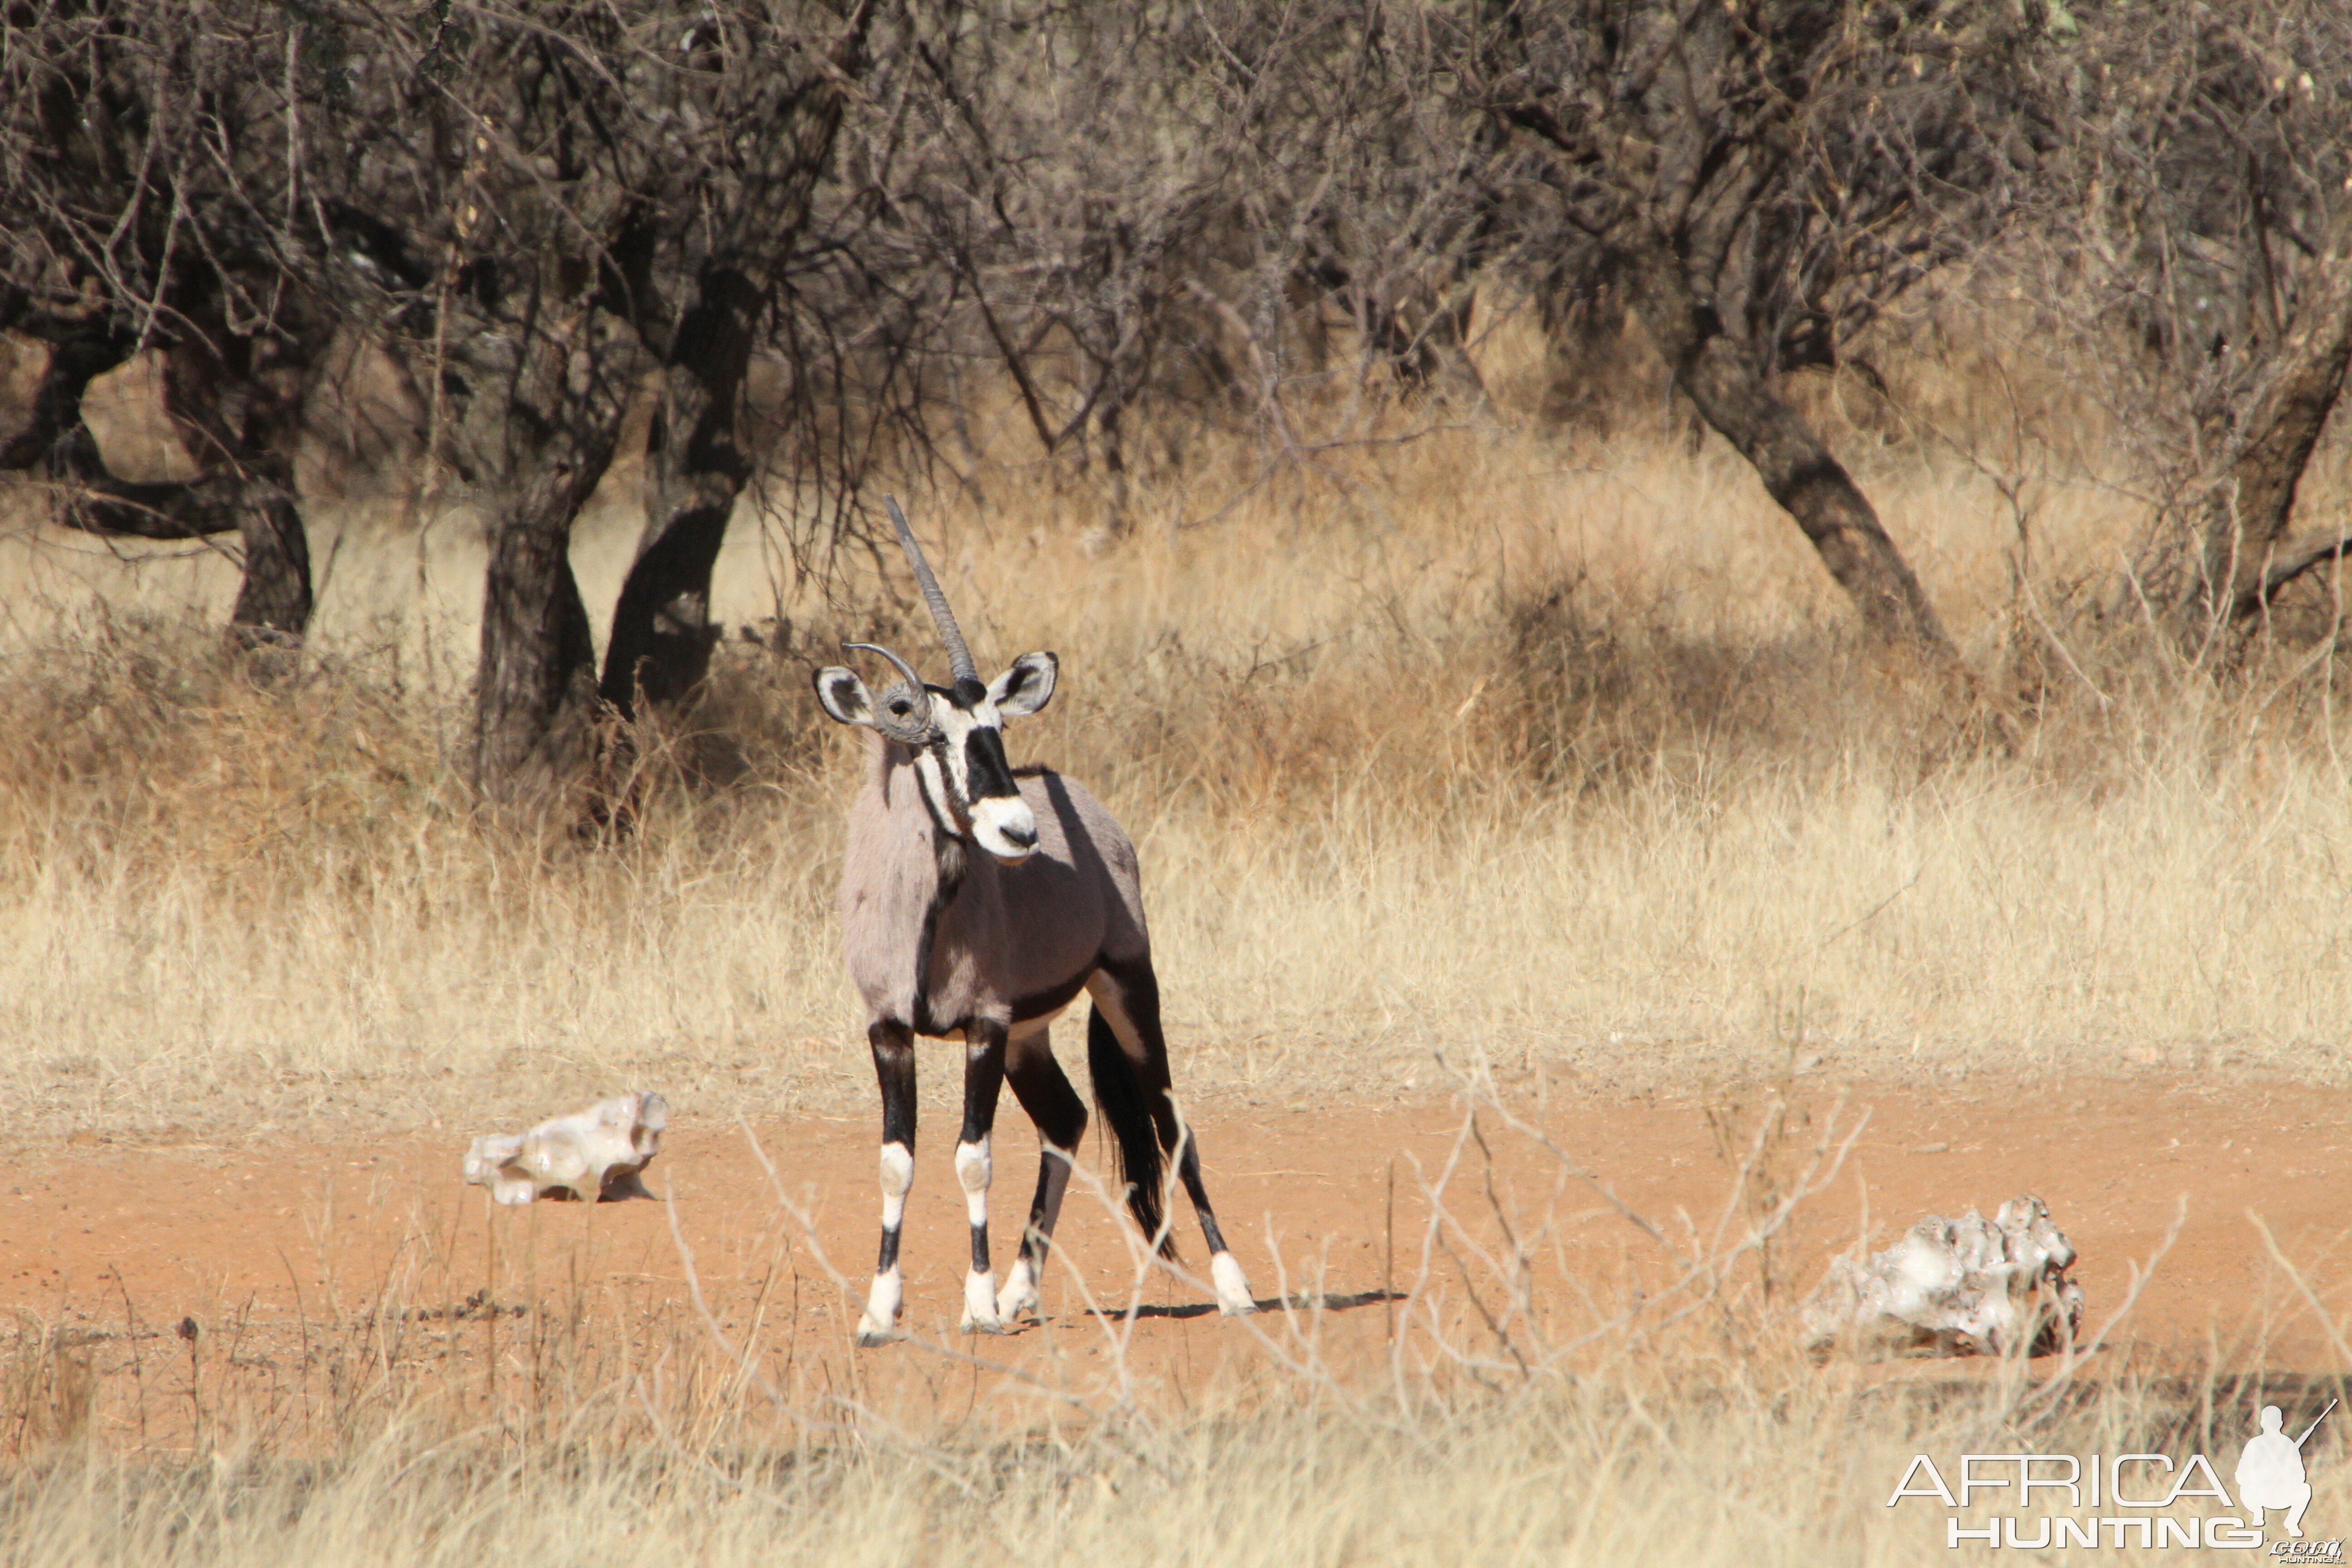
[976, 903]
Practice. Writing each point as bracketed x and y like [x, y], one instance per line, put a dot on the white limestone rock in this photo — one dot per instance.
[1954, 1287]
[595, 1155]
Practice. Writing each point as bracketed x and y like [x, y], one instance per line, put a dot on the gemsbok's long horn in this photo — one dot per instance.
[910, 724]
[958, 656]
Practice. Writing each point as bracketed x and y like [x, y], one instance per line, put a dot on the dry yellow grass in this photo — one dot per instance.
[1505, 747]
[1561, 1475]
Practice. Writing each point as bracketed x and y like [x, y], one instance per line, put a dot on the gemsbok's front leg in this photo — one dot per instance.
[894, 1068]
[984, 1077]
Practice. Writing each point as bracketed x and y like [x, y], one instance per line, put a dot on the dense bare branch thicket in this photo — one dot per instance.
[126, 149]
[1137, 223]
[1177, 218]
[1761, 178]
[536, 208]
[2194, 258]
[532, 208]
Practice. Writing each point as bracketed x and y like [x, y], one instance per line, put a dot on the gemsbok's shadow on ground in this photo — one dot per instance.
[1341, 1303]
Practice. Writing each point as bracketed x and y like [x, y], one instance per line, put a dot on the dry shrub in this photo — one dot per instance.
[138, 732]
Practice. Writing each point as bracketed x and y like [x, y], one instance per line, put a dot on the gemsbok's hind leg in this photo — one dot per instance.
[1127, 995]
[1045, 1093]
[894, 1068]
[983, 1079]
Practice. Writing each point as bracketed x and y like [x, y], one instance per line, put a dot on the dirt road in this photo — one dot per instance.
[249, 1243]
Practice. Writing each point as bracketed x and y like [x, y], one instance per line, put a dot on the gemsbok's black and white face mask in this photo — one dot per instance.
[957, 736]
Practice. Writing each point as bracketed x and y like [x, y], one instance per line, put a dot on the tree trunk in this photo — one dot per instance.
[275, 594]
[2247, 557]
[253, 501]
[1796, 465]
[535, 700]
[540, 444]
[79, 352]
[695, 469]
[241, 419]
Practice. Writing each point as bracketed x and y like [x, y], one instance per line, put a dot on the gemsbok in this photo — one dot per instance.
[989, 947]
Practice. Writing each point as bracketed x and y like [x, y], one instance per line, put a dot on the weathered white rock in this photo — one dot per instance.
[1954, 1287]
[595, 1155]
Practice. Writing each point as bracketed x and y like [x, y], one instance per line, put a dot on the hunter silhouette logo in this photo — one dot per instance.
[2129, 1499]
[2269, 1472]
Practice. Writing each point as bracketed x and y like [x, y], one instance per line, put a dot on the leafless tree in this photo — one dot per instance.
[1168, 216]
[2199, 228]
[1760, 177]
[714, 253]
[127, 230]
[542, 206]
[1062, 177]
[534, 208]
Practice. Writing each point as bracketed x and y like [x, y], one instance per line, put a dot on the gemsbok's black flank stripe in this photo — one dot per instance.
[1045, 1004]
[950, 861]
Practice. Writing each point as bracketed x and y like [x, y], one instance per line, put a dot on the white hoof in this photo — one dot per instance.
[875, 1325]
[980, 1314]
[1234, 1296]
[1019, 1297]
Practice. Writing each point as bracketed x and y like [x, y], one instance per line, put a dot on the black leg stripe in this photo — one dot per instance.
[1033, 1237]
[980, 1248]
[889, 1258]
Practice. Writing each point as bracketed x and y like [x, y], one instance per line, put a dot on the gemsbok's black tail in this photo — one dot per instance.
[1141, 1160]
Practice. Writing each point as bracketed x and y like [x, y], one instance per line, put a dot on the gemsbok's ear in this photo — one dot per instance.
[1026, 687]
[841, 694]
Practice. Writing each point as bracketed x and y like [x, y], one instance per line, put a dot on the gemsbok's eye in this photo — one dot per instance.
[901, 707]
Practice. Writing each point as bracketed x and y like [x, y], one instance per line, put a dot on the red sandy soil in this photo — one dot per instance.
[256, 1241]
